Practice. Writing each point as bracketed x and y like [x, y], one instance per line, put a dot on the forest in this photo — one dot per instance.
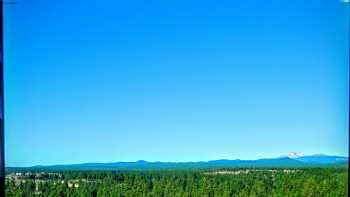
[250, 182]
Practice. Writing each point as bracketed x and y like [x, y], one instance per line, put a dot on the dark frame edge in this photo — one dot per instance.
[2, 145]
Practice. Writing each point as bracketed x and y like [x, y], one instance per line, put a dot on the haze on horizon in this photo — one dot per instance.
[174, 81]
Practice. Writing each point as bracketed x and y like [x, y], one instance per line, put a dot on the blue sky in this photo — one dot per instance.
[104, 81]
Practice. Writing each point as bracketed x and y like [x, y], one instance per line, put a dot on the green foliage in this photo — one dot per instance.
[310, 182]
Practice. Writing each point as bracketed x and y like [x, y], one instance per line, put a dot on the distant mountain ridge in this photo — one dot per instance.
[322, 159]
[301, 161]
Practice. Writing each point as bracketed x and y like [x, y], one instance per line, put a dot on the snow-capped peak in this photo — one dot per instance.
[295, 154]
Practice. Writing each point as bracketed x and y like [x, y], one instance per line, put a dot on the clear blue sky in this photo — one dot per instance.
[105, 81]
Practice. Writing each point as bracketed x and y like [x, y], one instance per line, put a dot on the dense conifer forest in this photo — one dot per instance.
[310, 182]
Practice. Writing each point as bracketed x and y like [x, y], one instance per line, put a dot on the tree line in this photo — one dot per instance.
[311, 182]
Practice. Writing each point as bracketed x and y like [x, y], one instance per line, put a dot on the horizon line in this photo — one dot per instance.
[158, 161]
